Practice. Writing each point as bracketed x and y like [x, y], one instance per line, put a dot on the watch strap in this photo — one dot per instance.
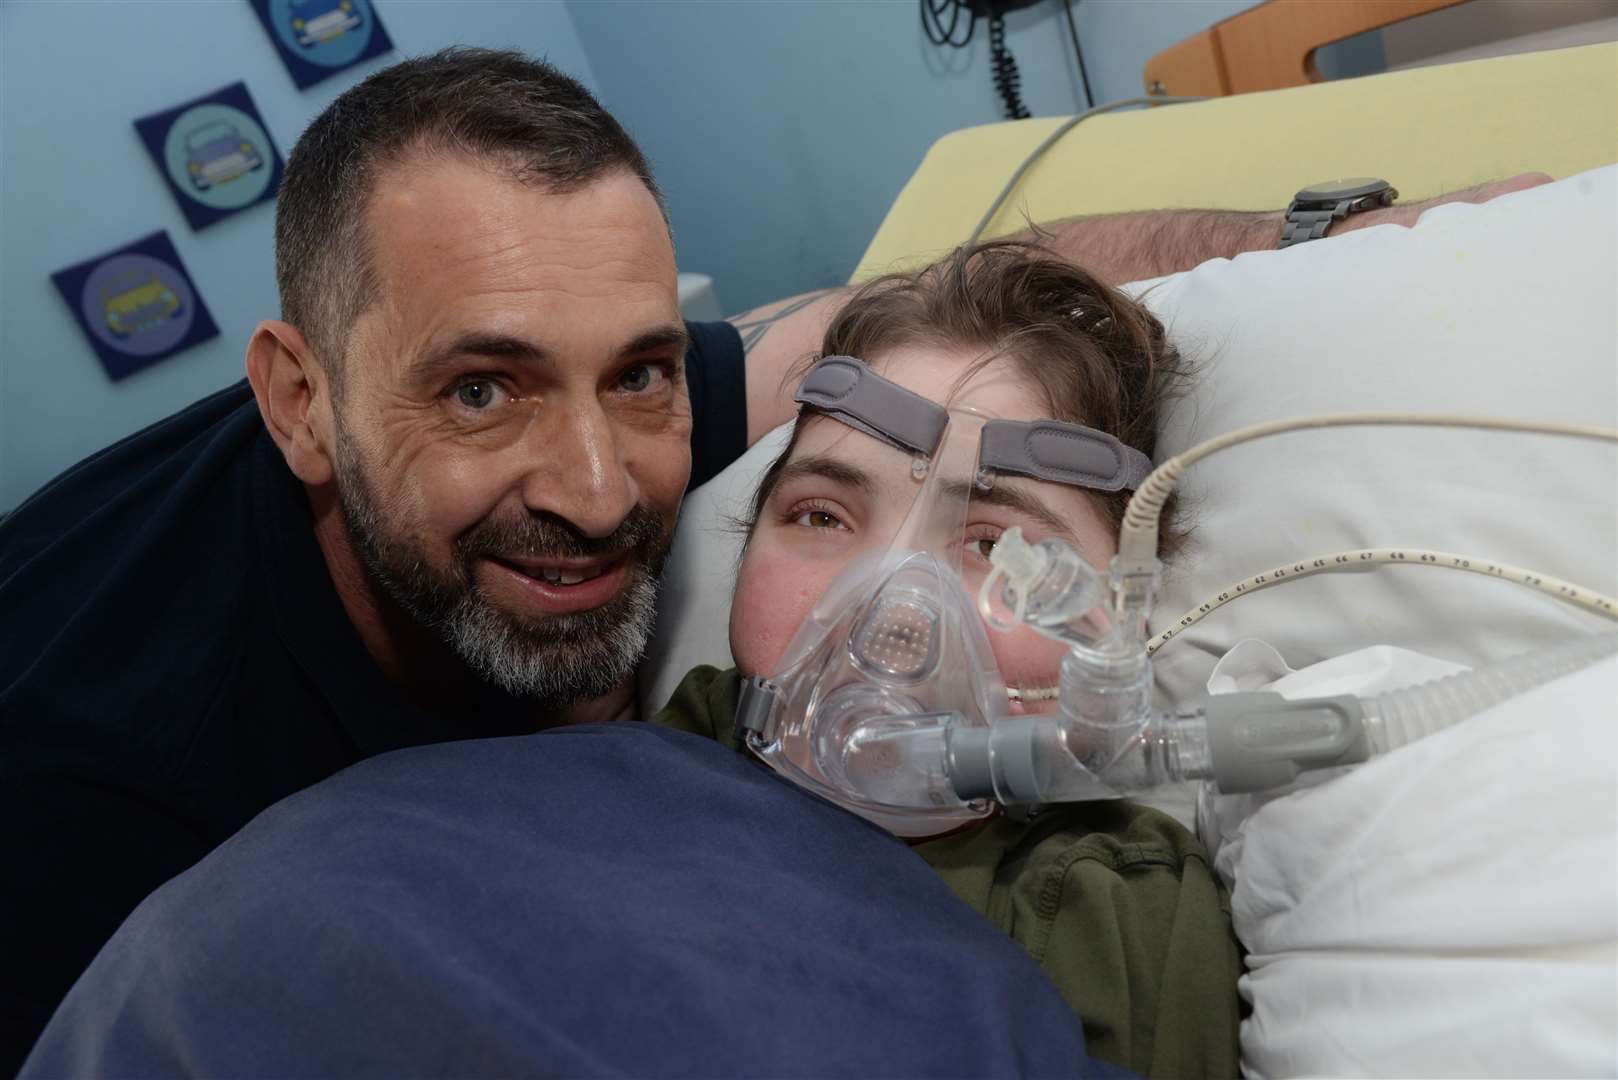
[1304, 225]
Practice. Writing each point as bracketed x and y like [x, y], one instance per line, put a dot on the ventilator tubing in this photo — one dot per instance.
[1400, 717]
[1242, 742]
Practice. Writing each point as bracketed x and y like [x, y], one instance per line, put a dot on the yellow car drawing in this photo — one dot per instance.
[136, 302]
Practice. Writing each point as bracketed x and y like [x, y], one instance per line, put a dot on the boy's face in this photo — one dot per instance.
[843, 494]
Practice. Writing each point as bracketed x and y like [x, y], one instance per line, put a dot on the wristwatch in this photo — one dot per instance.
[1315, 207]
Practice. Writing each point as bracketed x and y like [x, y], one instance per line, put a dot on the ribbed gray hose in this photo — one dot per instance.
[1401, 717]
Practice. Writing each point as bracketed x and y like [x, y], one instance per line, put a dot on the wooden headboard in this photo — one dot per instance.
[1271, 46]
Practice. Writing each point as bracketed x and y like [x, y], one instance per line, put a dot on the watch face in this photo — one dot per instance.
[1352, 188]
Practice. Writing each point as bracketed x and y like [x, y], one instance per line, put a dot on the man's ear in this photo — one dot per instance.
[294, 398]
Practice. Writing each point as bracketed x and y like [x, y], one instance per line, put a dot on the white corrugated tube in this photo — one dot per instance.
[1400, 717]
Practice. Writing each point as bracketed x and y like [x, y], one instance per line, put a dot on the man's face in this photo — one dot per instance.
[512, 431]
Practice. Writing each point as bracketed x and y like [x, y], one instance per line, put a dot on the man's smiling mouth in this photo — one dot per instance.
[559, 573]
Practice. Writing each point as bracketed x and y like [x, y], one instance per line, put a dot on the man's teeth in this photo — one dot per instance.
[569, 577]
[1031, 693]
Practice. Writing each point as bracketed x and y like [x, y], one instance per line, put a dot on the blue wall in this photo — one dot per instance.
[76, 181]
[782, 130]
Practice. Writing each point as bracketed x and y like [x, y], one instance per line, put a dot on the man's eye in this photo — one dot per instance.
[819, 519]
[476, 393]
[638, 379]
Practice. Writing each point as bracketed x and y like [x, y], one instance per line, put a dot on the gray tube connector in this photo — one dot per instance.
[1259, 741]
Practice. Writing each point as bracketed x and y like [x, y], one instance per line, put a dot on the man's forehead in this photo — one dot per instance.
[457, 249]
[449, 212]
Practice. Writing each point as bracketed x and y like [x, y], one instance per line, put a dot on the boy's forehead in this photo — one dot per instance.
[825, 438]
[936, 372]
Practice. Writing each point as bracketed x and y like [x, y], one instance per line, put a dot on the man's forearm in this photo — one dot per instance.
[1130, 247]
[1150, 243]
[774, 338]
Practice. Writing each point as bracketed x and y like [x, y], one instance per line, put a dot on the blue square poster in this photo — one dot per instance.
[137, 304]
[319, 38]
[215, 154]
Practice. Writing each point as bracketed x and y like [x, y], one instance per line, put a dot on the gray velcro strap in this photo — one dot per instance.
[1062, 453]
[849, 390]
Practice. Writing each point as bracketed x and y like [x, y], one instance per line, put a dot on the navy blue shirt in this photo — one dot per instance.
[174, 658]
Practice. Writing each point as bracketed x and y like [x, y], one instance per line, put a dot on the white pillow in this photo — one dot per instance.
[693, 614]
[1505, 309]
[1448, 910]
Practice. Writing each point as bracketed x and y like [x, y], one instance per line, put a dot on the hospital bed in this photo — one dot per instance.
[1451, 909]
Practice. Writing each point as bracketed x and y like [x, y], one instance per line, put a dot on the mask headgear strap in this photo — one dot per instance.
[1062, 453]
[848, 389]
[1071, 454]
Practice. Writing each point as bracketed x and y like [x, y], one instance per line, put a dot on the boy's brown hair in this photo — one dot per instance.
[1096, 356]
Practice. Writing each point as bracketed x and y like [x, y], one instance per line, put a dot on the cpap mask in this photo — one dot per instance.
[894, 655]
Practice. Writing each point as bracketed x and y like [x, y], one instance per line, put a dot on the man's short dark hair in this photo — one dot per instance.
[520, 115]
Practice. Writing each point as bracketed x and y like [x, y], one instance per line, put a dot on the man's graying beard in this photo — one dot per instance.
[556, 660]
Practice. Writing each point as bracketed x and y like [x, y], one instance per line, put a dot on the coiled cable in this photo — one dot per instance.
[1007, 79]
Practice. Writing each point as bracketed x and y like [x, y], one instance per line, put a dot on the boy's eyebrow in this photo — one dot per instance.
[825, 468]
[1010, 498]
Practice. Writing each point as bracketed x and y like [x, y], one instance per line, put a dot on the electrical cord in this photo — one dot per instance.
[1137, 538]
[932, 21]
[1051, 140]
[1078, 54]
[1007, 79]
[1003, 70]
[1554, 587]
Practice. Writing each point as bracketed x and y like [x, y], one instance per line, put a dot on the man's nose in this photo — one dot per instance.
[577, 471]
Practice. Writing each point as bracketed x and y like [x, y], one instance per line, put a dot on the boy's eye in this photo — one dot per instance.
[818, 519]
[982, 545]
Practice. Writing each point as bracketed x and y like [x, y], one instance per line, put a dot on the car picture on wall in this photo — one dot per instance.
[316, 21]
[137, 301]
[215, 154]
[136, 305]
[319, 38]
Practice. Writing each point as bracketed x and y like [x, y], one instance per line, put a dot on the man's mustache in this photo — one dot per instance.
[542, 535]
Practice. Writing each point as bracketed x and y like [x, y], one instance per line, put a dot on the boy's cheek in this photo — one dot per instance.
[774, 595]
[1026, 659]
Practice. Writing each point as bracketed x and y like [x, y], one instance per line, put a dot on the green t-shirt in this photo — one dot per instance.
[1117, 902]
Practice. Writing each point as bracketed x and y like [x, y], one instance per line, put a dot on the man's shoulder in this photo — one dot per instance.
[118, 579]
[206, 436]
[716, 382]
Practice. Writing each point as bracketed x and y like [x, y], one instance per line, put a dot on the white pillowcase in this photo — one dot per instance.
[1448, 910]
[1503, 309]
